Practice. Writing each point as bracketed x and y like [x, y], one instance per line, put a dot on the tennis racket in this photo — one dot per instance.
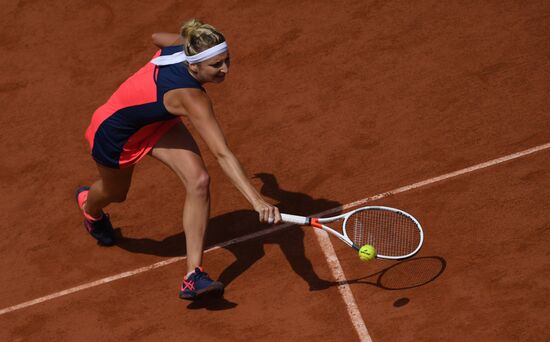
[394, 233]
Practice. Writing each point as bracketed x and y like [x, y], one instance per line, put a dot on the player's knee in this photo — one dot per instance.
[199, 185]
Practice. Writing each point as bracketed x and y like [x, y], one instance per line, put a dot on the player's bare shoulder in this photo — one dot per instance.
[185, 100]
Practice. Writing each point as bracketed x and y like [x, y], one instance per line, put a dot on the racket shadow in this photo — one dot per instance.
[243, 222]
[407, 274]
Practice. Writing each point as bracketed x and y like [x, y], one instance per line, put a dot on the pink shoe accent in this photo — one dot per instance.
[188, 285]
[82, 197]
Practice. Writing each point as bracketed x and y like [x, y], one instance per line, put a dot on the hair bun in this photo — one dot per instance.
[188, 27]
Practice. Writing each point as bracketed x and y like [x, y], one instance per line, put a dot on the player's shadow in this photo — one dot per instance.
[211, 304]
[240, 223]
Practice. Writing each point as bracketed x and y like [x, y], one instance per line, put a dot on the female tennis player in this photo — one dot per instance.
[142, 118]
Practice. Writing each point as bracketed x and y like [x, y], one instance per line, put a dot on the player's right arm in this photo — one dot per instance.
[196, 105]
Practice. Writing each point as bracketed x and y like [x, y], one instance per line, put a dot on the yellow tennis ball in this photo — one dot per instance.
[367, 253]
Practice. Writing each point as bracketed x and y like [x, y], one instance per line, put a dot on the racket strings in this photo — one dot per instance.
[391, 233]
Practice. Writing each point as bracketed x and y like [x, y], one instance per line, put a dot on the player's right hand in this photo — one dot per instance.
[267, 212]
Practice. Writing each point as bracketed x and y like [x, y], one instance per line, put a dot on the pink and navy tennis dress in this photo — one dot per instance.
[133, 120]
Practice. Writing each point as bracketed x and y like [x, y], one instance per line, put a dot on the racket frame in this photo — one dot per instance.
[317, 222]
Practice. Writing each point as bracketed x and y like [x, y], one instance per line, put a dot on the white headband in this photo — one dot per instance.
[179, 57]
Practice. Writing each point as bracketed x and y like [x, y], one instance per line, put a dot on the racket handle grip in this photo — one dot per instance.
[302, 220]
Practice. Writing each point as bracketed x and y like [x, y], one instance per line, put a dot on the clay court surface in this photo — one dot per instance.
[326, 103]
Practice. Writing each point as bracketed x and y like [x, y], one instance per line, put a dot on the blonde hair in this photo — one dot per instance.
[198, 36]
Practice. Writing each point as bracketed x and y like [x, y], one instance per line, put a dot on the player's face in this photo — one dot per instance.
[213, 69]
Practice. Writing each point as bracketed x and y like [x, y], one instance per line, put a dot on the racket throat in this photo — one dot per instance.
[314, 222]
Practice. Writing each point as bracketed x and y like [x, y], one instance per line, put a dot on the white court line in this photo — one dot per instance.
[343, 288]
[275, 228]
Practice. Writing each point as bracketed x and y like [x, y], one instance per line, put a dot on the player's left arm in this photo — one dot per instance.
[164, 39]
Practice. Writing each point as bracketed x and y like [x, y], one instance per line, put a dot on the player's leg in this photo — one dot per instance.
[112, 187]
[179, 151]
